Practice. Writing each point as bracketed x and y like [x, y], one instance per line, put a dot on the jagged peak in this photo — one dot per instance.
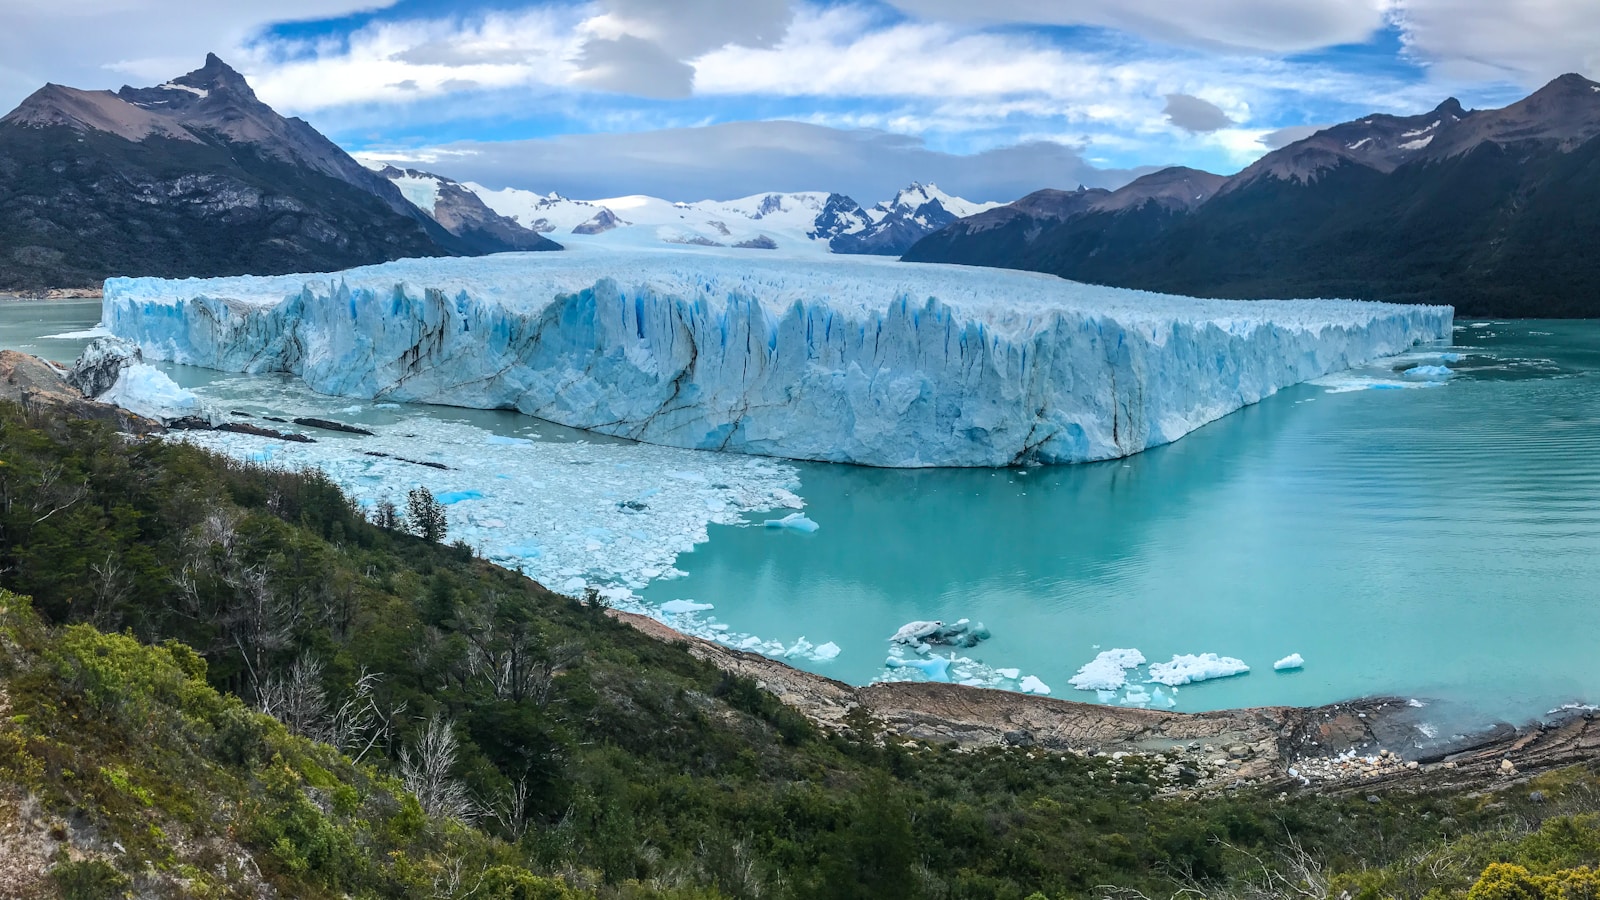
[216, 75]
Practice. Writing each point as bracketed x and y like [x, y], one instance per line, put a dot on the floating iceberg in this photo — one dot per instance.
[1032, 685]
[1292, 661]
[793, 522]
[861, 360]
[1108, 671]
[1187, 667]
[147, 391]
[679, 607]
[923, 636]
[1428, 373]
[936, 669]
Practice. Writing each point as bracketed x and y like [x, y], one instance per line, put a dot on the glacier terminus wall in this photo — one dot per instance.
[850, 360]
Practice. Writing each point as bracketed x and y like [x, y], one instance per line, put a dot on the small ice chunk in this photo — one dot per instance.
[1427, 373]
[1292, 661]
[793, 521]
[1032, 685]
[1107, 671]
[1012, 674]
[937, 668]
[801, 647]
[1136, 696]
[1187, 667]
[825, 652]
[679, 607]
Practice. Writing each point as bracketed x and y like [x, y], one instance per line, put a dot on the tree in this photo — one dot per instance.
[387, 516]
[425, 770]
[426, 515]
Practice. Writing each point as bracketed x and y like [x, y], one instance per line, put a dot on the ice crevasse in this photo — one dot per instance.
[855, 360]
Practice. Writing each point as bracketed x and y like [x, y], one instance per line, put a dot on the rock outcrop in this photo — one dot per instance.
[41, 388]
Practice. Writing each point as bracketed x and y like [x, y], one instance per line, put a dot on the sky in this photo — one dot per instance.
[716, 99]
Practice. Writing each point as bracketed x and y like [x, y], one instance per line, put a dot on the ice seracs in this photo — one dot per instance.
[861, 360]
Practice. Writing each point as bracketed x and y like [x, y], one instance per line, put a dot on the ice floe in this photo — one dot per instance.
[1107, 671]
[1186, 668]
[793, 522]
[1292, 661]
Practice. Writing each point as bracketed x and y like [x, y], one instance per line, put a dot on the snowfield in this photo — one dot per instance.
[855, 359]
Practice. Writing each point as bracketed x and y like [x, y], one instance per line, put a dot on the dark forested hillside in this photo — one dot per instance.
[77, 207]
[1494, 212]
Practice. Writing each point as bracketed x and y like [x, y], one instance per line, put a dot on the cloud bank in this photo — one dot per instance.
[739, 159]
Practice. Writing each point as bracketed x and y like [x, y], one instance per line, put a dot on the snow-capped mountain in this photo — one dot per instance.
[462, 214]
[810, 221]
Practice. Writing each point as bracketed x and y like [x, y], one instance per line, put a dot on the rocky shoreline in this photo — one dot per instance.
[1339, 748]
[91, 293]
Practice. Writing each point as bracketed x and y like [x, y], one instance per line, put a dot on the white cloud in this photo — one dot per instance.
[1276, 26]
[1526, 42]
[742, 158]
[642, 46]
[404, 61]
[101, 43]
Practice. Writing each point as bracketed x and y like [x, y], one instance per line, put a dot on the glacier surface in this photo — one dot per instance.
[856, 360]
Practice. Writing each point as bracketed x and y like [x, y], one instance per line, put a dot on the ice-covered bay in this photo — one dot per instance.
[857, 360]
[573, 514]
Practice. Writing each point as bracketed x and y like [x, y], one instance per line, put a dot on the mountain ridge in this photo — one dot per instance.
[1482, 209]
[192, 177]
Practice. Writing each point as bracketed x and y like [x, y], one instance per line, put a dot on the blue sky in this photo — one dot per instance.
[696, 98]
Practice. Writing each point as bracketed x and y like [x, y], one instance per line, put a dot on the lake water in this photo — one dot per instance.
[1440, 543]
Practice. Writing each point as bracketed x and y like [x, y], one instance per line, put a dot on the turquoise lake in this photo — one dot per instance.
[1441, 543]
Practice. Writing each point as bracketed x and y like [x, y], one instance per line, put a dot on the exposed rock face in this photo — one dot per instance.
[101, 364]
[603, 221]
[461, 212]
[193, 177]
[41, 388]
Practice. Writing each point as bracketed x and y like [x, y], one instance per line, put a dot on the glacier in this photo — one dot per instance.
[852, 360]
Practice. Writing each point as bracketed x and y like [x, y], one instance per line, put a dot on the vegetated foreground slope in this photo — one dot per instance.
[584, 751]
[1491, 211]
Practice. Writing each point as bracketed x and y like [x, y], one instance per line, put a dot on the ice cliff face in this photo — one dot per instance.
[862, 360]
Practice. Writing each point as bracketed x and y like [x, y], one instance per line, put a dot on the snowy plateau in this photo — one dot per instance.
[859, 360]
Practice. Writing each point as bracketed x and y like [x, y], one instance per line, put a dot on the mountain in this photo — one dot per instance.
[806, 222]
[1492, 211]
[460, 212]
[195, 176]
